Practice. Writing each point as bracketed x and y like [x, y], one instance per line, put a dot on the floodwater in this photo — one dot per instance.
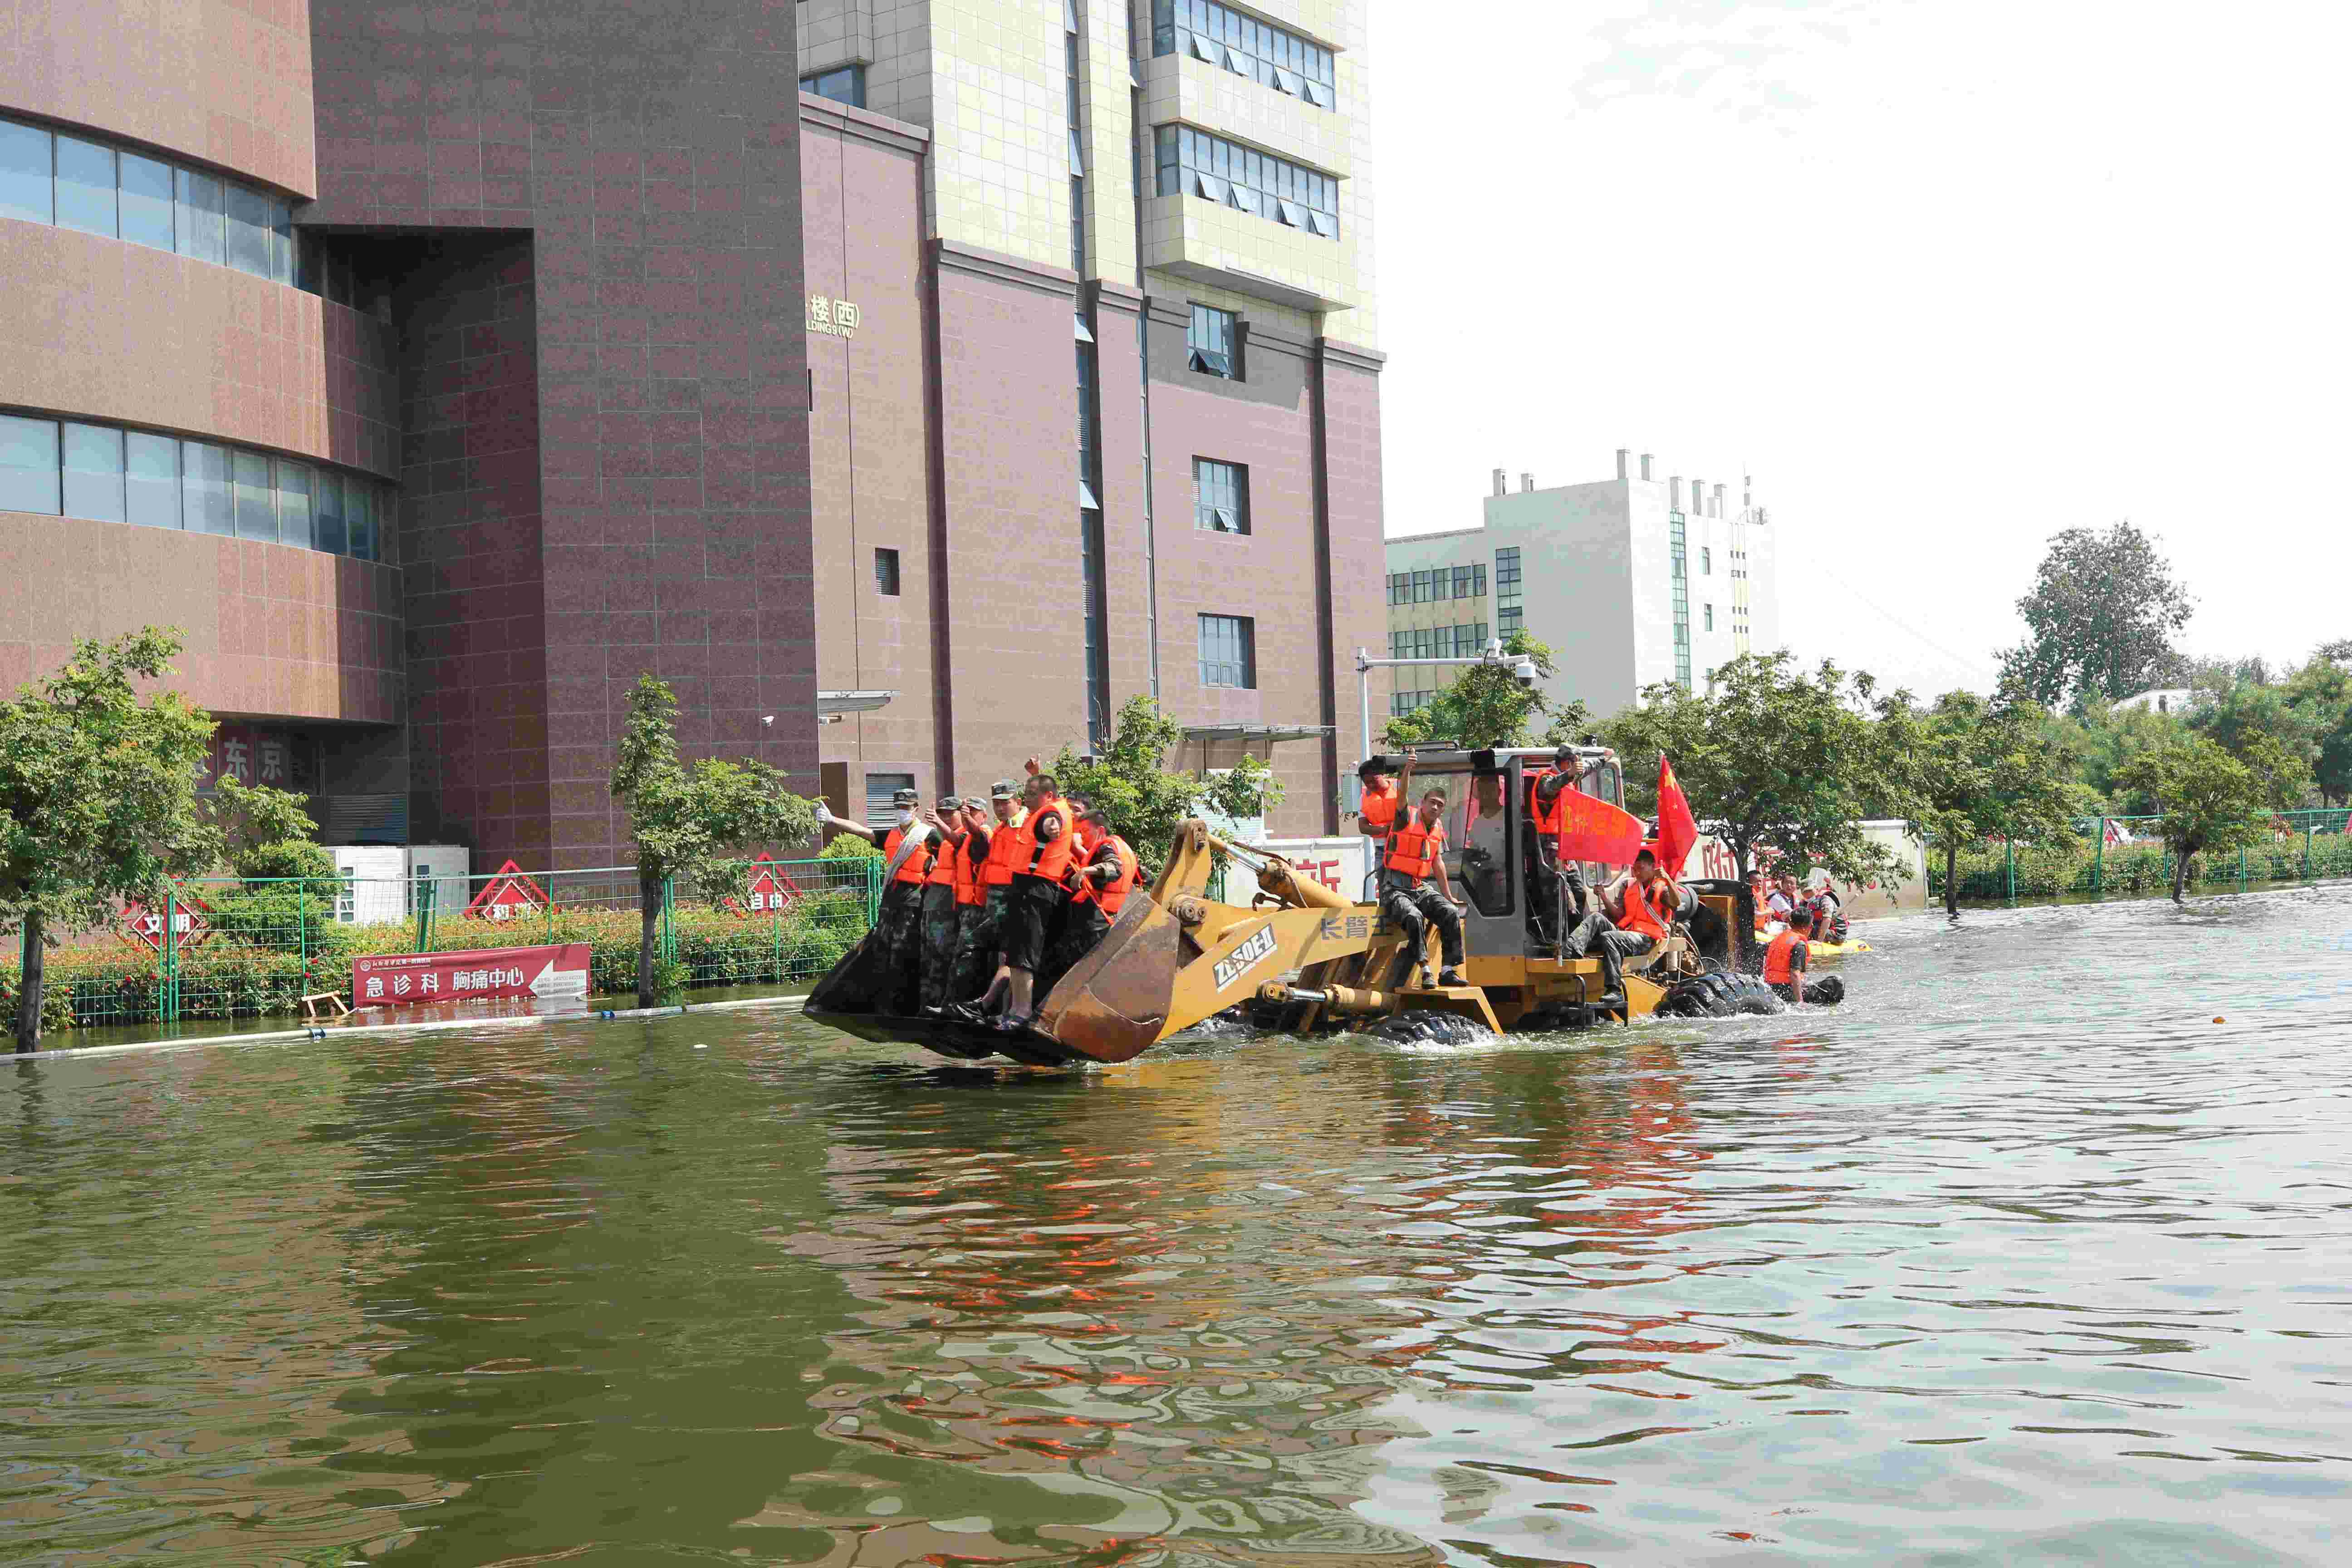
[2022, 1255]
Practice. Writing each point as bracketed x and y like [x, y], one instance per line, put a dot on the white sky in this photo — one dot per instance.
[1946, 278]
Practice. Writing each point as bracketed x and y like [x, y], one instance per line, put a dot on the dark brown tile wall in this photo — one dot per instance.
[644, 156]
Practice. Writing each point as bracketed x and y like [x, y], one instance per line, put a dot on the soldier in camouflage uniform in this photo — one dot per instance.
[982, 933]
[940, 921]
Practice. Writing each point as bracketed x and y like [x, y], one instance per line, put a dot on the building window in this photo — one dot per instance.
[1678, 565]
[105, 473]
[1219, 36]
[1465, 584]
[1194, 164]
[1220, 496]
[1229, 651]
[1213, 345]
[843, 84]
[1705, 562]
[101, 188]
[879, 789]
[1398, 642]
[1508, 617]
[885, 572]
[1710, 618]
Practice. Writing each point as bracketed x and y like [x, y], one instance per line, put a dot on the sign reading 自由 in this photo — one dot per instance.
[833, 318]
[406, 979]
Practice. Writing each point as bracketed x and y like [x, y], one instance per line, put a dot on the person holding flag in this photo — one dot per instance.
[1677, 831]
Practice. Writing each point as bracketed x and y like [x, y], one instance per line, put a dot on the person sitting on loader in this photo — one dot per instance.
[1641, 906]
[1416, 855]
[1788, 957]
[897, 926]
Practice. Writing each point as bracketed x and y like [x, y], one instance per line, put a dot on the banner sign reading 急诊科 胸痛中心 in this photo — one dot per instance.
[557, 973]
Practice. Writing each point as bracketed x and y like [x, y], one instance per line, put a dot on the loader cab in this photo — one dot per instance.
[1487, 796]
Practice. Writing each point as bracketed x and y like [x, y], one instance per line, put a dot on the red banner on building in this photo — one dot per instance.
[557, 973]
[144, 927]
[508, 896]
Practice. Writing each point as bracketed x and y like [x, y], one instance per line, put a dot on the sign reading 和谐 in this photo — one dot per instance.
[557, 973]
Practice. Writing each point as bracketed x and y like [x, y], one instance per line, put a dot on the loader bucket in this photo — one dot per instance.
[1113, 1004]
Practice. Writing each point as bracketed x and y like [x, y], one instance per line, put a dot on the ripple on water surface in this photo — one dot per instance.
[2018, 1256]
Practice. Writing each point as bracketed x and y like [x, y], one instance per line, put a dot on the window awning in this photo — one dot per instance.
[853, 701]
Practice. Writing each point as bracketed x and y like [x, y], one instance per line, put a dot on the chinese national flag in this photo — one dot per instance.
[1592, 829]
[1676, 831]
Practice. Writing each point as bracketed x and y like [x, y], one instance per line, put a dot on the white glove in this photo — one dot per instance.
[823, 815]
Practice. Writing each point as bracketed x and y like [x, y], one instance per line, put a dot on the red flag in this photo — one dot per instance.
[1592, 829]
[1676, 831]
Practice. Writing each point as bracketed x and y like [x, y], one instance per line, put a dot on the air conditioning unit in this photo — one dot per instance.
[382, 880]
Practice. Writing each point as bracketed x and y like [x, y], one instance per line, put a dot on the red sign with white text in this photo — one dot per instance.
[145, 926]
[508, 896]
[557, 973]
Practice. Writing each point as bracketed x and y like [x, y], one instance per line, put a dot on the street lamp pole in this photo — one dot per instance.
[1521, 667]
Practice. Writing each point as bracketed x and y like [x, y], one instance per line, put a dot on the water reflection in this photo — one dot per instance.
[1901, 1282]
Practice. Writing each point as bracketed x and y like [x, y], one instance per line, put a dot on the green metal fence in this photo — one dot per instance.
[243, 949]
[2126, 855]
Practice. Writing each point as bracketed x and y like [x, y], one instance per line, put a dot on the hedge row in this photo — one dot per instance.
[226, 978]
[2046, 872]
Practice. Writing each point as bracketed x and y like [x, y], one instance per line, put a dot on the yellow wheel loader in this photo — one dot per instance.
[1296, 956]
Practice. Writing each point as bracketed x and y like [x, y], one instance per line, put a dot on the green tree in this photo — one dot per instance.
[2321, 691]
[1145, 800]
[1487, 706]
[2105, 738]
[690, 819]
[1775, 757]
[99, 803]
[2209, 799]
[2099, 621]
[1983, 770]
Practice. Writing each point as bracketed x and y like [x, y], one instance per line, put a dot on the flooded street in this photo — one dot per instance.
[2036, 1250]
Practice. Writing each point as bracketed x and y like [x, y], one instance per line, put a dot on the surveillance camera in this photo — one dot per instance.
[1524, 671]
[767, 719]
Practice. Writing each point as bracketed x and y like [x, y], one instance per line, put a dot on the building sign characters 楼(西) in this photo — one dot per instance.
[834, 318]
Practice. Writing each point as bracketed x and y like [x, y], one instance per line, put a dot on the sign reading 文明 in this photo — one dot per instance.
[403, 979]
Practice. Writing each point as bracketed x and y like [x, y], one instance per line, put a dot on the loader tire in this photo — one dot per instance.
[1826, 992]
[1419, 1027]
[1719, 995]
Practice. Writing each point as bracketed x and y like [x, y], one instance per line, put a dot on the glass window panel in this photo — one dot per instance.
[93, 487]
[281, 242]
[152, 480]
[360, 502]
[256, 513]
[204, 489]
[198, 219]
[248, 231]
[326, 514]
[146, 201]
[28, 465]
[26, 188]
[294, 509]
[86, 185]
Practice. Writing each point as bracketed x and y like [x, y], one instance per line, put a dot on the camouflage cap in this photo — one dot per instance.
[902, 797]
[1002, 790]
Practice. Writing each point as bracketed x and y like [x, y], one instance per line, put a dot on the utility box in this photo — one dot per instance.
[382, 880]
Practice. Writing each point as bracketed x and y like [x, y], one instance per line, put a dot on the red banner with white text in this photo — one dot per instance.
[557, 973]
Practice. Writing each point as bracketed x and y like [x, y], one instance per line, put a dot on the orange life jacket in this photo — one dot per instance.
[945, 864]
[915, 867]
[1377, 810]
[1003, 840]
[1641, 915]
[1776, 958]
[969, 889]
[1112, 895]
[1413, 850]
[1047, 858]
[1545, 819]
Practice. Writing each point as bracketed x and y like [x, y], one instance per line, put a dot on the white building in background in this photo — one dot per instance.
[1632, 580]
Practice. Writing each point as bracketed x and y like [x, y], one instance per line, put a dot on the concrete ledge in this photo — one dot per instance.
[422, 1025]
